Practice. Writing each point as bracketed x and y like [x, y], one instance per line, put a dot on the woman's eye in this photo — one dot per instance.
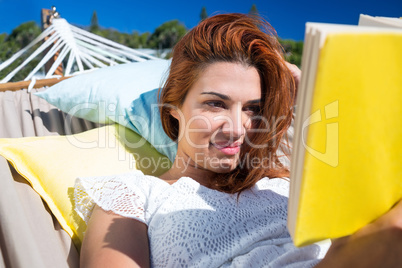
[253, 110]
[216, 104]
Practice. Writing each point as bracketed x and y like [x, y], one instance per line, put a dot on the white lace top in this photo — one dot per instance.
[192, 225]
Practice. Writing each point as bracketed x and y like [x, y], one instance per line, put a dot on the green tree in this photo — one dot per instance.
[143, 40]
[203, 14]
[167, 35]
[293, 50]
[94, 22]
[3, 45]
[19, 38]
[24, 34]
[253, 10]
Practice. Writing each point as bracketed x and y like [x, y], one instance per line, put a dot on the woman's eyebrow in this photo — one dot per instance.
[224, 97]
[258, 101]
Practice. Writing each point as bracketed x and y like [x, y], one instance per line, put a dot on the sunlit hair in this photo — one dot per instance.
[250, 41]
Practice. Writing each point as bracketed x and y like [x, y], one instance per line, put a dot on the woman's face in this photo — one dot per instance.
[216, 116]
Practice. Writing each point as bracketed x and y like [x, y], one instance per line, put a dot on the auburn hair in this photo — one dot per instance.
[247, 40]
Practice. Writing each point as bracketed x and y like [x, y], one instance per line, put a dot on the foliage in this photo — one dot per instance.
[253, 10]
[293, 50]
[203, 14]
[3, 46]
[24, 34]
[94, 22]
[19, 38]
[167, 35]
[133, 40]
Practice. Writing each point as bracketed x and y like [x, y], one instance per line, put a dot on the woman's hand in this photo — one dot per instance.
[379, 244]
[296, 73]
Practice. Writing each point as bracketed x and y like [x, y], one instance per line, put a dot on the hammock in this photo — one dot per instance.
[83, 51]
[30, 235]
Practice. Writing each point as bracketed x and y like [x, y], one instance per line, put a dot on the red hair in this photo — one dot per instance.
[250, 41]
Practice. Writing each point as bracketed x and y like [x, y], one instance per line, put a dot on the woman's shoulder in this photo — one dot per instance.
[124, 194]
[278, 185]
[135, 179]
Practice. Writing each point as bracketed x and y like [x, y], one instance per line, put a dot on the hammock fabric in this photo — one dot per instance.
[30, 236]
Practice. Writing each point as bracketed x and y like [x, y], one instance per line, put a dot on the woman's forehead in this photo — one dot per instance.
[234, 80]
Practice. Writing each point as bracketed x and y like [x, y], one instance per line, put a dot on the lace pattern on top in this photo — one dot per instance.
[125, 195]
[191, 225]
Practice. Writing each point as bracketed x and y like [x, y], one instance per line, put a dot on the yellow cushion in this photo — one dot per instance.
[52, 163]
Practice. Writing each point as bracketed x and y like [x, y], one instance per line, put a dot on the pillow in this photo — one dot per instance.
[143, 116]
[111, 94]
[51, 164]
[103, 95]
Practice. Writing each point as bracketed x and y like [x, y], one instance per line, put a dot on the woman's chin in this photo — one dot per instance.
[223, 165]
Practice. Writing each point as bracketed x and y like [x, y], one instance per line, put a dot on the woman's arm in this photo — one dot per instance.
[114, 241]
[379, 244]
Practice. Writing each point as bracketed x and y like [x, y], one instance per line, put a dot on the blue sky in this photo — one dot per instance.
[287, 16]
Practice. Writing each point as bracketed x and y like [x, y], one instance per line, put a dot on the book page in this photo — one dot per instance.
[365, 20]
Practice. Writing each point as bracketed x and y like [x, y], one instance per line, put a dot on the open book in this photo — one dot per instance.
[347, 155]
[366, 20]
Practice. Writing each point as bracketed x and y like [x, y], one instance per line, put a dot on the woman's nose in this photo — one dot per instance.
[236, 123]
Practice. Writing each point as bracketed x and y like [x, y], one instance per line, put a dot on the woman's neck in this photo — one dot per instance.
[184, 166]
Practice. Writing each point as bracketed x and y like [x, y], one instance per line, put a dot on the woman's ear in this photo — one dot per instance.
[175, 114]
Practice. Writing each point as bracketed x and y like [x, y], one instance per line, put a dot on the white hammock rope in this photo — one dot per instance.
[19, 53]
[70, 62]
[106, 48]
[96, 56]
[104, 52]
[90, 56]
[46, 44]
[45, 59]
[57, 62]
[111, 43]
[83, 51]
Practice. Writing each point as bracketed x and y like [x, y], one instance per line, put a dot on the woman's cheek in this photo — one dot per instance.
[198, 131]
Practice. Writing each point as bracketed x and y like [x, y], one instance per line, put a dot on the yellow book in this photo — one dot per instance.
[366, 20]
[347, 155]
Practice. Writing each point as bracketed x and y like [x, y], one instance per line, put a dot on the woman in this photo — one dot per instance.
[227, 103]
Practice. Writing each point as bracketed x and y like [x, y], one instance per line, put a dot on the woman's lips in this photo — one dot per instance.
[231, 149]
